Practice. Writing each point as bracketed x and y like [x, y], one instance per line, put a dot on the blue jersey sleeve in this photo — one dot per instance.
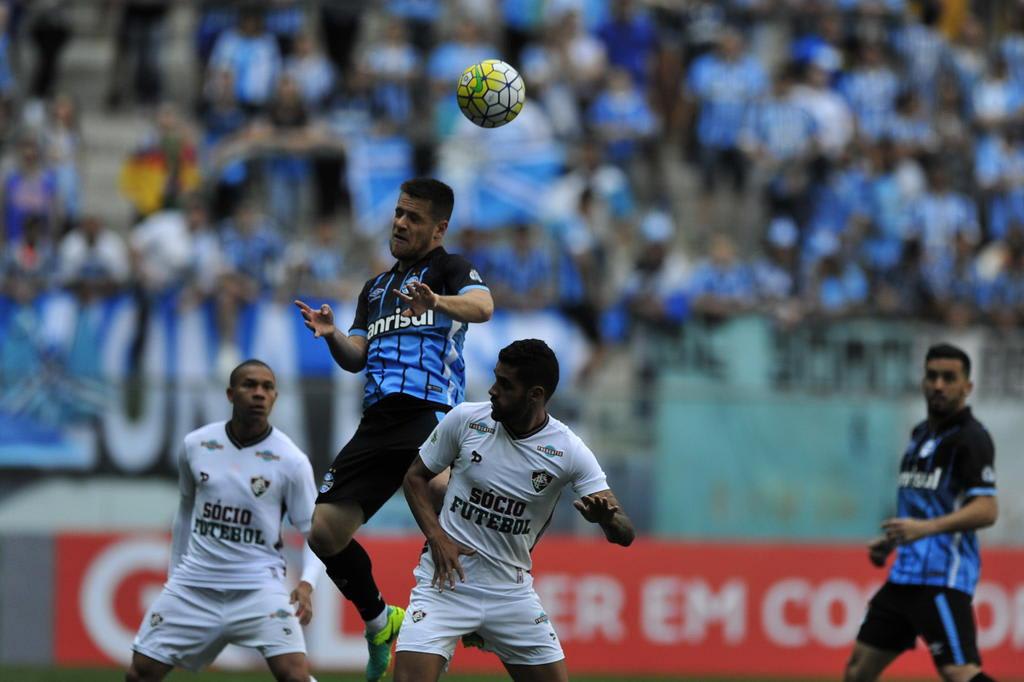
[974, 465]
[359, 323]
[460, 276]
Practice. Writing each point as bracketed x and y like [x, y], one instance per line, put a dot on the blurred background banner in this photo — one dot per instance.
[659, 607]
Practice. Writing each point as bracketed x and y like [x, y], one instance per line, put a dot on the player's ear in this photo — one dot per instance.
[231, 394]
[441, 228]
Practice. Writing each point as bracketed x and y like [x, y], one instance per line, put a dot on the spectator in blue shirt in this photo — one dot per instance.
[30, 188]
[922, 49]
[721, 285]
[724, 85]
[941, 214]
[774, 272]
[631, 41]
[522, 276]
[313, 71]
[622, 118]
[251, 54]
[777, 129]
[996, 98]
[390, 65]
[871, 89]
[837, 287]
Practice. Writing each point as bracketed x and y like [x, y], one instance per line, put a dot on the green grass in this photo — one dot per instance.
[22, 674]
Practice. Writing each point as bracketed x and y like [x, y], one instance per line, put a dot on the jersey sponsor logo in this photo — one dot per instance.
[328, 482]
[497, 512]
[927, 449]
[259, 485]
[396, 321]
[418, 615]
[542, 618]
[435, 389]
[988, 474]
[476, 458]
[211, 445]
[481, 427]
[267, 456]
[550, 451]
[155, 619]
[375, 294]
[925, 480]
[540, 480]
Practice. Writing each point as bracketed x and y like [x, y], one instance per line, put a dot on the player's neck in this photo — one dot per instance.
[936, 422]
[527, 426]
[244, 432]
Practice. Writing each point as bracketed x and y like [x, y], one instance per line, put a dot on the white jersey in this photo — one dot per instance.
[239, 496]
[503, 490]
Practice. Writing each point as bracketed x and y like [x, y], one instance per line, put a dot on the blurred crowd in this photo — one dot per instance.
[803, 159]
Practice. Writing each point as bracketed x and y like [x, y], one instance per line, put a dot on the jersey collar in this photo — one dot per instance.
[437, 250]
[544, 424]
[255, 441]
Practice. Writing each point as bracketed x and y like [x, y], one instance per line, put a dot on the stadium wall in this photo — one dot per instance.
[655, 608]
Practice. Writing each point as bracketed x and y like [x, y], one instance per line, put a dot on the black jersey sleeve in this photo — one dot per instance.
[974, 464]
[360, 321]
[460, 275]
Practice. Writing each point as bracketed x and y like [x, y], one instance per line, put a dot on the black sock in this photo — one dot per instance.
[352, 572]
[981, 677]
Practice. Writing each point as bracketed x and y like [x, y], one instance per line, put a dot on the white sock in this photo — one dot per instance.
[377, 624]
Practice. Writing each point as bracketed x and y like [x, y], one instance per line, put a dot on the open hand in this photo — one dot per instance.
[596, 509]
[320, 322]
[420, 299]
[900, 531]
[302, 595]
[446, 552]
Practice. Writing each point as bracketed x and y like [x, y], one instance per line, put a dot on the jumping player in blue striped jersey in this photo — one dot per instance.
[409, 327]
[947, 491]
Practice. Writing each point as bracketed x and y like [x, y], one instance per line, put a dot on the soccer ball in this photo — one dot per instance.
[491, 93]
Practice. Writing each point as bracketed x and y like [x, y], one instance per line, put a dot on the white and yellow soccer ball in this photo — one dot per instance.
[491, 93]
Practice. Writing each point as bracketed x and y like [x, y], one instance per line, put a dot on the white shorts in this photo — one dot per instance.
[188, 626]
[512, 624]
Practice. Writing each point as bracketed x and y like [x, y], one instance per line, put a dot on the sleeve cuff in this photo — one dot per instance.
[473, 287]
[980, 492]
[357, 332]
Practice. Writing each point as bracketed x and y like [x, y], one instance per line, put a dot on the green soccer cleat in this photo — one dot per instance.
[380, 644]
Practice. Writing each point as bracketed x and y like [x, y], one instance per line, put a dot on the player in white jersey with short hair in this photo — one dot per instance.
[226, 582]
[509, 462]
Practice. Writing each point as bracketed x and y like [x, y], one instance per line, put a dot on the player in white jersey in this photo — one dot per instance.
[509, 462]
[226, 583]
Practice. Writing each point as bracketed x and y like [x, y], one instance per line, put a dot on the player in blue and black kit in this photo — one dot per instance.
[408, 332]
[947, 490]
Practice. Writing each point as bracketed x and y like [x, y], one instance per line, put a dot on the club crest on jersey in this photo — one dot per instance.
[203, 477]
[418, 615]
[280, 613]
[259, 485]
[155, 620]
[541, 480]
[211, 445]
[405, 285]
[267, 456]
[927, 449]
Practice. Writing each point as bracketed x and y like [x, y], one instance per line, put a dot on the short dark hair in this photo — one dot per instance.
[534, 362]
[440, 195]
[947, 351]
[234, 378]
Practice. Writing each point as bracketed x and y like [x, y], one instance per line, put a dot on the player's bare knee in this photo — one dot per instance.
[856, 670]
[137, 673]
[959, 673]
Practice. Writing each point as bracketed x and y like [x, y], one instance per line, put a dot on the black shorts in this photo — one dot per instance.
[371, 466]
[899, 614]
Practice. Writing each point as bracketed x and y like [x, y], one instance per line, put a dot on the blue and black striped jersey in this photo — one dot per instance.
[419, 356]
[940, 471]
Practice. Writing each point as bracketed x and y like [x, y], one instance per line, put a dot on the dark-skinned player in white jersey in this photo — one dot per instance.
[510, 461]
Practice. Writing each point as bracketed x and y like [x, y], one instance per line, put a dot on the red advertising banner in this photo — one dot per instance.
[656, 607]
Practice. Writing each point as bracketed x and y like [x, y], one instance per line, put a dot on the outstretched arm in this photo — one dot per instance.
[603, 509]
[444, 550]
[476, 305]
[348, 351]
